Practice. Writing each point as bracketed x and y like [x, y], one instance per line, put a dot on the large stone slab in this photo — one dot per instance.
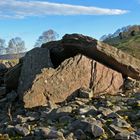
[33, 62]
[103, 53]
[56, 85]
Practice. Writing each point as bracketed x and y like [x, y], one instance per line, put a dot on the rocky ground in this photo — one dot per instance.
[64, 91]
[79, 118]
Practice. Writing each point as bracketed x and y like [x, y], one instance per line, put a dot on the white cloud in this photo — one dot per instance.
[21, 9]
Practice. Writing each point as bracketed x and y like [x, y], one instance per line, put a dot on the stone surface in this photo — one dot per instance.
[33, 62]
[103, 53]
[97, 130]
[122, 136]
[49, 134]
[22, 130]
[11, 78]
[2, 91]
[57, 85]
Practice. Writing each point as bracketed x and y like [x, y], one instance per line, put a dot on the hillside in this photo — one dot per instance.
[128, 41]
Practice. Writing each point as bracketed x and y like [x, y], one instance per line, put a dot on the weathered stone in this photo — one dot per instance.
[88, 110]
[2, 91]
[97, 130]
[103, 53]
[22, 130]
[138, 131]
[79, 124]
[4, 137]
[59, 112]
[57, 85]
[134, 137]
[121, 123]
[79, 134]
[105, 111]
[33, 62]
[65, 119]
[49, 134]
[12, 77]
[122, 136]
[85, 93]
[117, 129]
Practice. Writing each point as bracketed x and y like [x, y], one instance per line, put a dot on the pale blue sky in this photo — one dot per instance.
[29, 18]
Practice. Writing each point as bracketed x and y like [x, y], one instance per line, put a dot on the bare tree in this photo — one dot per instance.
[46, 36]
[16, 46]
[2, 46]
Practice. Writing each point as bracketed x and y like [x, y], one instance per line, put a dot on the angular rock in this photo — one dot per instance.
[33, 62]
[121, 123]
[56, 85]
[2, 91]
[11, 78]
[79, 134]
[103, 53]
[97, 130]
[49, 134]
[22, 130]
[85, 93]
[122, 136]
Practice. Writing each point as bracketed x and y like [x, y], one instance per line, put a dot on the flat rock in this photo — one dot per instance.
[103, 53]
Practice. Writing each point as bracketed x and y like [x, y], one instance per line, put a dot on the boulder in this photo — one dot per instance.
[103, 53]
[56, 85]
[112, 57]
[33, 62]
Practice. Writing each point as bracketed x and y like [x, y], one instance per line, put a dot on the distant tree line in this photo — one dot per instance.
[17, 45]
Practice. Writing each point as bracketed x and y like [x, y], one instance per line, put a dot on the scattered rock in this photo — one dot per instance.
[22, 130]
[122, 136]
[2, 91]
[97, 130]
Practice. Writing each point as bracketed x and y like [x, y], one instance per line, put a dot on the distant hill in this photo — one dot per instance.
[127, 39]
[11, 56]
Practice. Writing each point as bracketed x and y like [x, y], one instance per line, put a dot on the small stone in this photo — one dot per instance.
[113, 115]
[109, 131]
[4, 137]
[80, 135]
[22, 129]
[88, 110]
[78, 124]
[49, 133]
[70, 136]
[116, 108]
[85, 93]
[2, 91]
[134, 137]
[138, 103]
[122, 136]
[65, 119]
[65, 109]
[10, 130]
[117, 129]
[97, 130]
[109, 104]
[138, 131]
[121, 123]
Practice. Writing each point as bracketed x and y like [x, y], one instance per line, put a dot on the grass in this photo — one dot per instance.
[130, 45]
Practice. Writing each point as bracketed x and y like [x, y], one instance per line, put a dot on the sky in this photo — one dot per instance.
[29, 18]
